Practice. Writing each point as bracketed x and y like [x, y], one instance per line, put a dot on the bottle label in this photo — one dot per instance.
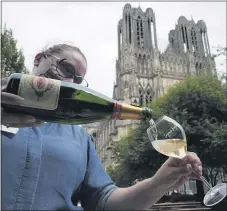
[39, 92]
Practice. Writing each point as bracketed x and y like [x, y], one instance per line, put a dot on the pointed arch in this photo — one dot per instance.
[148, 94]
[141, 95]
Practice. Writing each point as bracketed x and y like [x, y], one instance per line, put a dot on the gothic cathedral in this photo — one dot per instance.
[144, 73]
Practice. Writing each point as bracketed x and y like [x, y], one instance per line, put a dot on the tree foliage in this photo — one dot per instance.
[198, 103]
[12, 59]
[135, 157]
[220, 51]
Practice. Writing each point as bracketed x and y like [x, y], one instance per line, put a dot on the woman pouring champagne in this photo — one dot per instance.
[53, 166]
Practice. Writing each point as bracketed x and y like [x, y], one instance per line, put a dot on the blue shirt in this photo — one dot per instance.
[51, 167]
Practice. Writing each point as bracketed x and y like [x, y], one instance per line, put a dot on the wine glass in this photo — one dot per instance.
[168, 137]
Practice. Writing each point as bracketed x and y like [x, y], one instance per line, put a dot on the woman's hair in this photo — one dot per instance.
[62, 47]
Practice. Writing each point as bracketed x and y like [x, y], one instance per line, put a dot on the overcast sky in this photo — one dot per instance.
[93, 28]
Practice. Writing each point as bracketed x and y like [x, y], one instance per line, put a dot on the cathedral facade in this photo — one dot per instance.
[143, 73]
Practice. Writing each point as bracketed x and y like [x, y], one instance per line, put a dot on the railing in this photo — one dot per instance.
[184, 206]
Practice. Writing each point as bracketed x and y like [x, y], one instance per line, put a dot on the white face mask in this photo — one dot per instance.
[49, 66]
[68, 80]
[46, 65]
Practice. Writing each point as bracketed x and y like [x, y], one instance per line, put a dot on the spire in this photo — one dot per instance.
[192, 19]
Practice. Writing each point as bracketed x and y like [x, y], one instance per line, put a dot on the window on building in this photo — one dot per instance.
[141, 93]
[148, 96]
[185, 38]
[141, 34]
[130, 29]
[138, 31]
[194, 41]
[152, 32]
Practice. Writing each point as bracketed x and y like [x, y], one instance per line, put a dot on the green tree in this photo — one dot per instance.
[220, 51]
[135, 157]
[12, 59]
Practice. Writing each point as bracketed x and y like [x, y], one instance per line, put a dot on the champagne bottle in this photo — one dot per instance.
[66, 103]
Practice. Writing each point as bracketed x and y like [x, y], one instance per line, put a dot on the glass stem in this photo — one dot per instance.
[206, 183]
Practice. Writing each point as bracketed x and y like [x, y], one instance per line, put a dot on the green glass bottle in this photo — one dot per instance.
[67, 103]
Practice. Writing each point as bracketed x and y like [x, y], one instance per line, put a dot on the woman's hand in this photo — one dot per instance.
[15, 120]
[176, 172]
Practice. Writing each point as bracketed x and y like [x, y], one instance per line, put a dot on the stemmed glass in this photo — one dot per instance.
[168, 137]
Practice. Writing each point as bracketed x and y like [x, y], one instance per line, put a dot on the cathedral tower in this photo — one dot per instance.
[137, 52]
[191, 38]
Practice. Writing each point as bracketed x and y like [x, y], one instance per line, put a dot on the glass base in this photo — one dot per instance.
[215, 195]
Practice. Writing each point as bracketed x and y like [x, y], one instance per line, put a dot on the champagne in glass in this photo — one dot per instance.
[171, 147]
[168, 137]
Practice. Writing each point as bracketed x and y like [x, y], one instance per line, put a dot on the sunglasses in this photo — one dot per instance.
[67, 68]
